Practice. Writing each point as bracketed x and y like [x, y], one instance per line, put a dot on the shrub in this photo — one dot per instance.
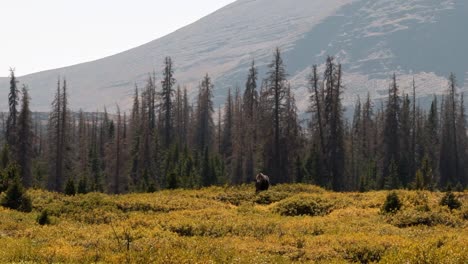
[392, 203]
[43, 218]
[451, 201]
[70, 187]
[236, 197]
[8, 175]
[459, 187]
[172, 182]
[270, 197]
[363, 252]
[82, 186]
[413, 217]
[16, 198]
[151, 188]
[303, 205]
[464, 213]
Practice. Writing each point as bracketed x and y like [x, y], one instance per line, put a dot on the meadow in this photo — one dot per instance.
[287, 224]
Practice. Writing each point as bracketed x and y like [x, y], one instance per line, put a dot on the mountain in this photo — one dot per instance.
[424, 39]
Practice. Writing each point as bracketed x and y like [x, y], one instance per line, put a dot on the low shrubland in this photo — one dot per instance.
[288, 223]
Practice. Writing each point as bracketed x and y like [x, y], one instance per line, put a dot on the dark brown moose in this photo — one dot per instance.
[262, 182]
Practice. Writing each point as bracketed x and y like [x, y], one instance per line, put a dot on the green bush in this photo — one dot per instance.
[392, 203]
[70, 187]
[43, 218]
[82, 186]
[459, 187]
[236, 197]
[303, 205]
[464, 213]
[410, 218]
[16, 198]
[450, 201]
[270, 197]
[363, 252]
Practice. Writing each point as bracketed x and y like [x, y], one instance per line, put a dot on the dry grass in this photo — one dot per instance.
[233, 225]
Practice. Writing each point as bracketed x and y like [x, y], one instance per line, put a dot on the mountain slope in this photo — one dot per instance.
[372, 38]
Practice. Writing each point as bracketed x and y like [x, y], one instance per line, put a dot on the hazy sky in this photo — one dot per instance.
[38, 35]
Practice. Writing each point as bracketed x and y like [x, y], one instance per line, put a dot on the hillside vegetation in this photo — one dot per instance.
[288, 223]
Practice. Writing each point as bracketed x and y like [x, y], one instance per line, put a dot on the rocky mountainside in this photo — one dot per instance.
[424, 39]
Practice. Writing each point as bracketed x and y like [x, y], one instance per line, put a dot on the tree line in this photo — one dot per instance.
[168, 141]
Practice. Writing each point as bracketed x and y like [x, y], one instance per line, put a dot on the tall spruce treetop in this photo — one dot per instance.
[462, 142]
[391, 129]
[334, 125]
[55, 180]
[13, 98]
[205, 124]
[277, 90]
[135, 117]
[450, 163]
[250, 94]
[226, 141]
[166, 94]
[316, 100]
[25, 139]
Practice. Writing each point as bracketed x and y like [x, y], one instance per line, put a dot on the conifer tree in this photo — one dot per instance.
[226, 140]
[391, 136]
[356, 159]
[292, 133]
[135, 138]
[178, 113]
[59, 143]
[25, 140]
[334, 136]
[186, 124]
[405, 135]
[204, 127]
[249, 108]
[238, 141]
[462, 143]
[148, 160]
[316, 174]
[432, 141]
[449, 152]
[117, 183]
[276, 87]
[82, 146]
[11, 126]
[166, 95]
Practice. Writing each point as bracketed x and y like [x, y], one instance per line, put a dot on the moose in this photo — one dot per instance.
[262, 182]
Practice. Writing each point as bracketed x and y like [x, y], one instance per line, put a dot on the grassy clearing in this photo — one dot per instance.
[289, 223]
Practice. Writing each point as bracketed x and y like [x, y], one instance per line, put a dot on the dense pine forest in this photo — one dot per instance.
[168, 141]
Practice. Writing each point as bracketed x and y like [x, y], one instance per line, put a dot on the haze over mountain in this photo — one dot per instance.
[371, 38]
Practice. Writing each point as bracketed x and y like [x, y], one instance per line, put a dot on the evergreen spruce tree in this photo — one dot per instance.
[15, 195]
[276, 165]
[12, 126]
[405, 136]
[82, 186]
[227, 129]
[449, 149]
[59, 131]
[238, 141]
[249, 108]
[432, 140]
[167, 104]
[25, 140]
[334, 137]
[205, 126]
[391, 136]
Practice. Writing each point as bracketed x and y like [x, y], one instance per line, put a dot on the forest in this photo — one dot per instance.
[168, 141]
